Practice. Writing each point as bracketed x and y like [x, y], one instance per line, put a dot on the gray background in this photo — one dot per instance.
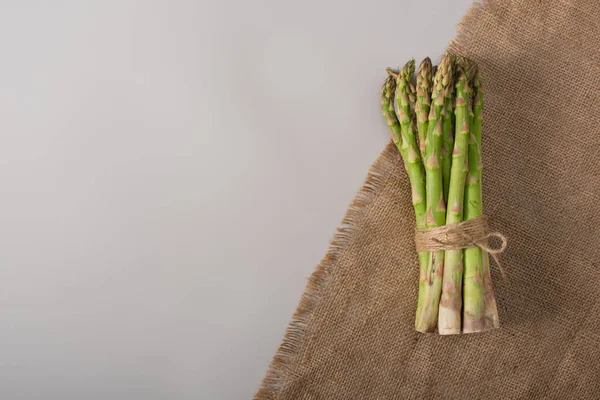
[170, 174]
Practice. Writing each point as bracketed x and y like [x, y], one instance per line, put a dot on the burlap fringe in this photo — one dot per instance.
[286, 355]
[463, 32]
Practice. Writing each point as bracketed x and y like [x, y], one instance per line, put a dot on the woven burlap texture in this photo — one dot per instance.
[352, 336]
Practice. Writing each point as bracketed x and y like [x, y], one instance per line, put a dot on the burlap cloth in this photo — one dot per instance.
[352, 336]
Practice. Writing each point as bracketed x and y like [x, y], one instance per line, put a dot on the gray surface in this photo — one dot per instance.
[171, 173]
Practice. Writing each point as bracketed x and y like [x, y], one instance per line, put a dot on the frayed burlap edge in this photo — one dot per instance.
[285, 357]
[464, 28]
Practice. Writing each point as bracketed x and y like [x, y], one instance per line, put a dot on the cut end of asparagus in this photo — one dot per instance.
[448, 331]
[473, 325]
[427, 320]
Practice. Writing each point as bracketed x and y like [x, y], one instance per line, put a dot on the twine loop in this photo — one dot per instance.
[471, 233]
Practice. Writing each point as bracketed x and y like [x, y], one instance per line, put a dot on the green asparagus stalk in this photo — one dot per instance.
[447, 135]
[474, 274]
[387, 109]
[410, 150]
[412, 160]
[436, 207]
[404, 138]
[423, 104]
[450, 304]
[475, 195]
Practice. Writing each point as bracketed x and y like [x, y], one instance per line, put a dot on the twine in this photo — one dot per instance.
[471, 233]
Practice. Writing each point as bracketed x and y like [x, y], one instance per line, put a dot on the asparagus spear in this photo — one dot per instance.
[436, 207]
[387, 109]
[405, 141]
[474, 274]
[447, 133]
[473, 195]
[412, 161]
[422, 106]
[450, 304]
[410, 151]
[491, 311]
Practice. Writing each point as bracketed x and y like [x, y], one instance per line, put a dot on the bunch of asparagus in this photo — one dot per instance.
[437, 130]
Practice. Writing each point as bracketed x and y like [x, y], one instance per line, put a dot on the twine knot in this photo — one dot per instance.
[471, 233]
